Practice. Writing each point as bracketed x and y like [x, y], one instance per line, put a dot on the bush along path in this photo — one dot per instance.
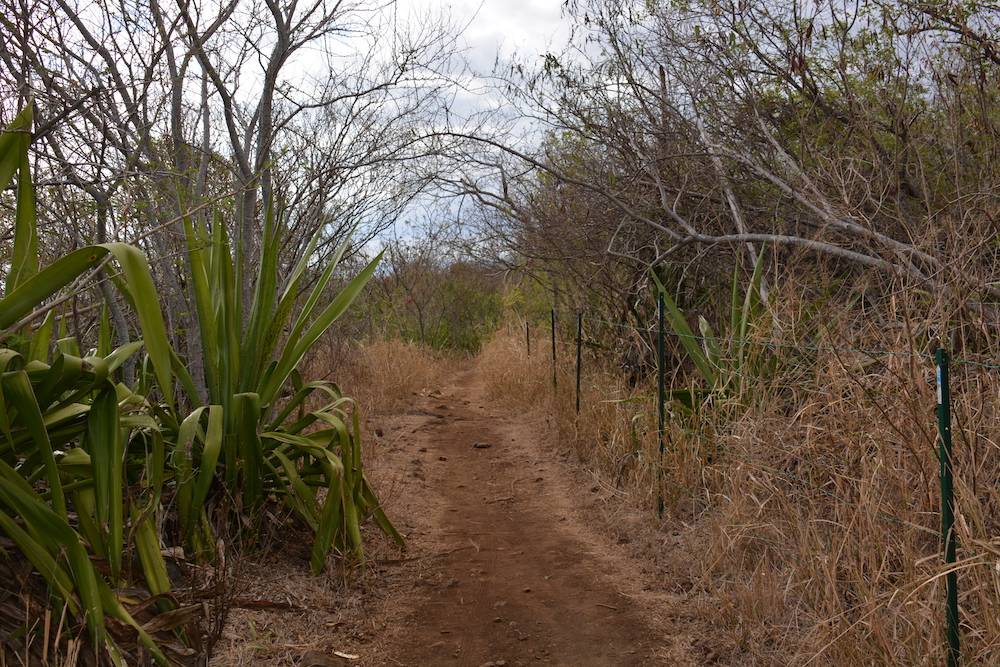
[97, 471]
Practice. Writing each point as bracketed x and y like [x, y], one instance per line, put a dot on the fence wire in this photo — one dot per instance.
[873, 353]
[942, 363]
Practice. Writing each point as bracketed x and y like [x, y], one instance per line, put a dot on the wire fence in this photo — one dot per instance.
[939, 359]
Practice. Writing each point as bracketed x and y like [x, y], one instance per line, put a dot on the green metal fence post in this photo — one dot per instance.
[579, 356]
[553, 348]
[527, 336]
[661, 396]
[948, 536]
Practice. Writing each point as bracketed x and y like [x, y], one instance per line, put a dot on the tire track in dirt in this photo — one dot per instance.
[509, 573]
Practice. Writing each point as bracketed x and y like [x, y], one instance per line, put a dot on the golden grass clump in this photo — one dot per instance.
[383, 374]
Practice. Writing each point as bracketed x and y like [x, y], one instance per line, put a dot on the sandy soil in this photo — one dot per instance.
[506, 563]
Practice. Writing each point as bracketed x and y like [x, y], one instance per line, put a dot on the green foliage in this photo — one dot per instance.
[246, 371]
[529, 299]
[730, 363]
[472, 313]
[451, 307]
[85, 461]
[72, 436]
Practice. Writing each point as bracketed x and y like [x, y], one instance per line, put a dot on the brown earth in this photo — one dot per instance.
[503, 566]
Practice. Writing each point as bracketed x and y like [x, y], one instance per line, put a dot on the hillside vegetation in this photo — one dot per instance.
[232, 234]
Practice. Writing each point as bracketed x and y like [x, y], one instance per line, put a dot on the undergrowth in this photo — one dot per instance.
[806, 509]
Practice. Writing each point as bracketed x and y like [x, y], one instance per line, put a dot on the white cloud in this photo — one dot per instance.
[504, 27]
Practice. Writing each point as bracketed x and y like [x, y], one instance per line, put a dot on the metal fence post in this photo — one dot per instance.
[661, 398]
[579, 356]
[553, 348]
[948, 536]
[527, 335]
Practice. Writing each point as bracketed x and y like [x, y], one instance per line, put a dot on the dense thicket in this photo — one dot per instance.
[854, 141]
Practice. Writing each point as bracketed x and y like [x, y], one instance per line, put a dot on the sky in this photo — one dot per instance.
[492, 30]
[506, 26]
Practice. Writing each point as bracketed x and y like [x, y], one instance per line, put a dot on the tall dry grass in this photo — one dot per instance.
[807, 510]
[615, 430]
[383, 374]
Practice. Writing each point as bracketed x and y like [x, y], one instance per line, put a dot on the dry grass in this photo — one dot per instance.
[807, 514]
[381, 375]
[615, 432]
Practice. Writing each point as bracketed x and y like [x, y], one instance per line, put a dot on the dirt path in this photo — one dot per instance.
[504, 566]
[515, 577]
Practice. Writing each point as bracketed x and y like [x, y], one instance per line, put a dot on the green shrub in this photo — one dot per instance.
[86, 462]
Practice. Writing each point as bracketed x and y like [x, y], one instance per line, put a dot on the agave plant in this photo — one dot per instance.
[72, 435]
[68, 424]
[256, 426]
[727, 363]
[85, 460]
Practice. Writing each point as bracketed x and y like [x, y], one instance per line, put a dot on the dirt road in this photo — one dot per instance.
[515, 577]
[504, 566]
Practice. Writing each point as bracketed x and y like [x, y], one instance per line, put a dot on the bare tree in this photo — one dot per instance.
[190, 112]
[830, 129]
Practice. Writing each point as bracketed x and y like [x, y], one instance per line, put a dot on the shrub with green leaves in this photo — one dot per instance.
[256, 427]
[90, 467]
[73, 437]
[730, 363]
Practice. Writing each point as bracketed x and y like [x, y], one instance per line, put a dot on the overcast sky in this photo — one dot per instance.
[526, 26]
